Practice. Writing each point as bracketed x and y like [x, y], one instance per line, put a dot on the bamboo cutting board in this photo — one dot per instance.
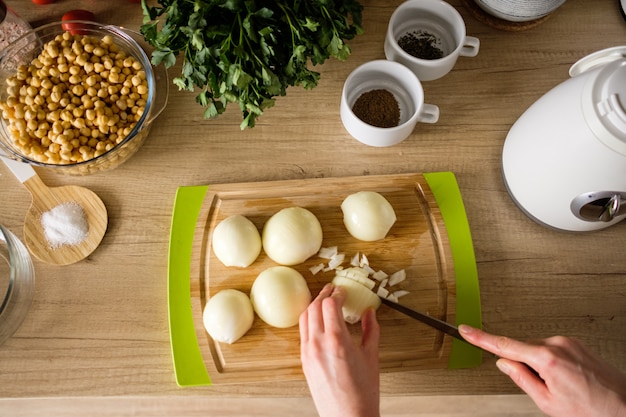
[418, 243]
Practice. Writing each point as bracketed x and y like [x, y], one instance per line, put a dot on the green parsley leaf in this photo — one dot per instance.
[248, 52]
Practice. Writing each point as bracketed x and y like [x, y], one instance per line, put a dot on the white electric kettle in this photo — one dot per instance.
[564, 159]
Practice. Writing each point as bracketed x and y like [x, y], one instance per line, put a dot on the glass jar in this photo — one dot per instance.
[11, 26]
[17, 283]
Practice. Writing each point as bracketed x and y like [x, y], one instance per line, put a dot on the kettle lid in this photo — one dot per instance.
[597, 59]
[604, 105]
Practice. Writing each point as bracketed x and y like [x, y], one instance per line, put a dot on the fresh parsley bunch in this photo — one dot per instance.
[248, 51]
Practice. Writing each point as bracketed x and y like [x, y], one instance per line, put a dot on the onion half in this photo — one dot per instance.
[367, 215]
[228, 315]
[292, 235]
[279, 295]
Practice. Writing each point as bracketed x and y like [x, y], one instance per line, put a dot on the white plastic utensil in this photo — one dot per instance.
[46, 198]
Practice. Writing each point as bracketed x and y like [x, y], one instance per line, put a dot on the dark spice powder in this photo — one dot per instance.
[420, 44]
[377, 108]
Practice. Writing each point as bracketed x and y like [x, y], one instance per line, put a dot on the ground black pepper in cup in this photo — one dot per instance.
[420, 44]
[377, 108]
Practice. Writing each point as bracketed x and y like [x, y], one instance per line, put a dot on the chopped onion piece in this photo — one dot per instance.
[384, 282]
[400, 293]
[382, 291]
[336, 260]
[364, 261]
[397, 277]
[316, 268]
[327, 253]
[369, 269]
[357, 274]
[353, 271]
[392, 297]
[379, 275]
[355, 260]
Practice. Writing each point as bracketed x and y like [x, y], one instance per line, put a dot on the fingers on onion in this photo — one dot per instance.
[367, 215]
[292, 235]
[279, 295]
[236, 241]
[359, 295]
[228, 315]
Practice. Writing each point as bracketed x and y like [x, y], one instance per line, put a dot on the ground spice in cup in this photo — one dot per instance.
[377, 108]
[420, 44]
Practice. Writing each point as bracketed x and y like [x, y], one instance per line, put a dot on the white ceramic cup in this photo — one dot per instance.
[406, 89]
[437, 18]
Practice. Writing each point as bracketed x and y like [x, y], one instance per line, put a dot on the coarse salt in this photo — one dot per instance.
[65, 224]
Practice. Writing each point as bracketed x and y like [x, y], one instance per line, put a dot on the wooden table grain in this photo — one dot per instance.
[96, 342]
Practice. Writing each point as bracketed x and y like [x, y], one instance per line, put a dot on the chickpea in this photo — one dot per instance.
[52, 49]
[82, 59]
[78, 91]
[46, 84]
[142, 89]
[75, 79]
[98, 51]
[32, 125]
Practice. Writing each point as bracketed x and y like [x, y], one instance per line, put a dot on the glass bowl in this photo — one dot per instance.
[17, 283]
[26, 50]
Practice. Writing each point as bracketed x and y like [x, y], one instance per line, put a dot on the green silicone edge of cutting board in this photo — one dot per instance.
[189, 367]
[468, 311]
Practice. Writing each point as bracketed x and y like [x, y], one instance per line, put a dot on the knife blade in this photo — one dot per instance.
[441, 325]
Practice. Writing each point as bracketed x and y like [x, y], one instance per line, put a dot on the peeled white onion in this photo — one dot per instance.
[292, 235]
[228, 315]
[367, 215]
[236, 241]
[358, 298]
[279, 295]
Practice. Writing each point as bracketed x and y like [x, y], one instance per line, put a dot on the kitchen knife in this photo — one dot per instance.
[441, 325]
[445, 327]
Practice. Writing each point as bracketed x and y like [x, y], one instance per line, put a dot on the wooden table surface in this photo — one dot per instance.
[98, 329]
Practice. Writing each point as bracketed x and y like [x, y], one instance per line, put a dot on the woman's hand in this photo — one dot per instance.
[574, 382]
[341, 372]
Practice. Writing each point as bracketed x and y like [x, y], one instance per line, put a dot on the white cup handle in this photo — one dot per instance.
[429, 114]
[470, 46]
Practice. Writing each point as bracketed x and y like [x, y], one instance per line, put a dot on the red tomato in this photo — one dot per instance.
[78, 14]
[43, 1]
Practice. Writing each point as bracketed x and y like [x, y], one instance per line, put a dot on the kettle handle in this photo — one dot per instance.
[597, 59]
[601, 206]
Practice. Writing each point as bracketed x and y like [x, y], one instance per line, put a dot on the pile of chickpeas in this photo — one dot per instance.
[75, 101]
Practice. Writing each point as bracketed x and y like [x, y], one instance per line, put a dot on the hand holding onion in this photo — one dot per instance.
[342, 374]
